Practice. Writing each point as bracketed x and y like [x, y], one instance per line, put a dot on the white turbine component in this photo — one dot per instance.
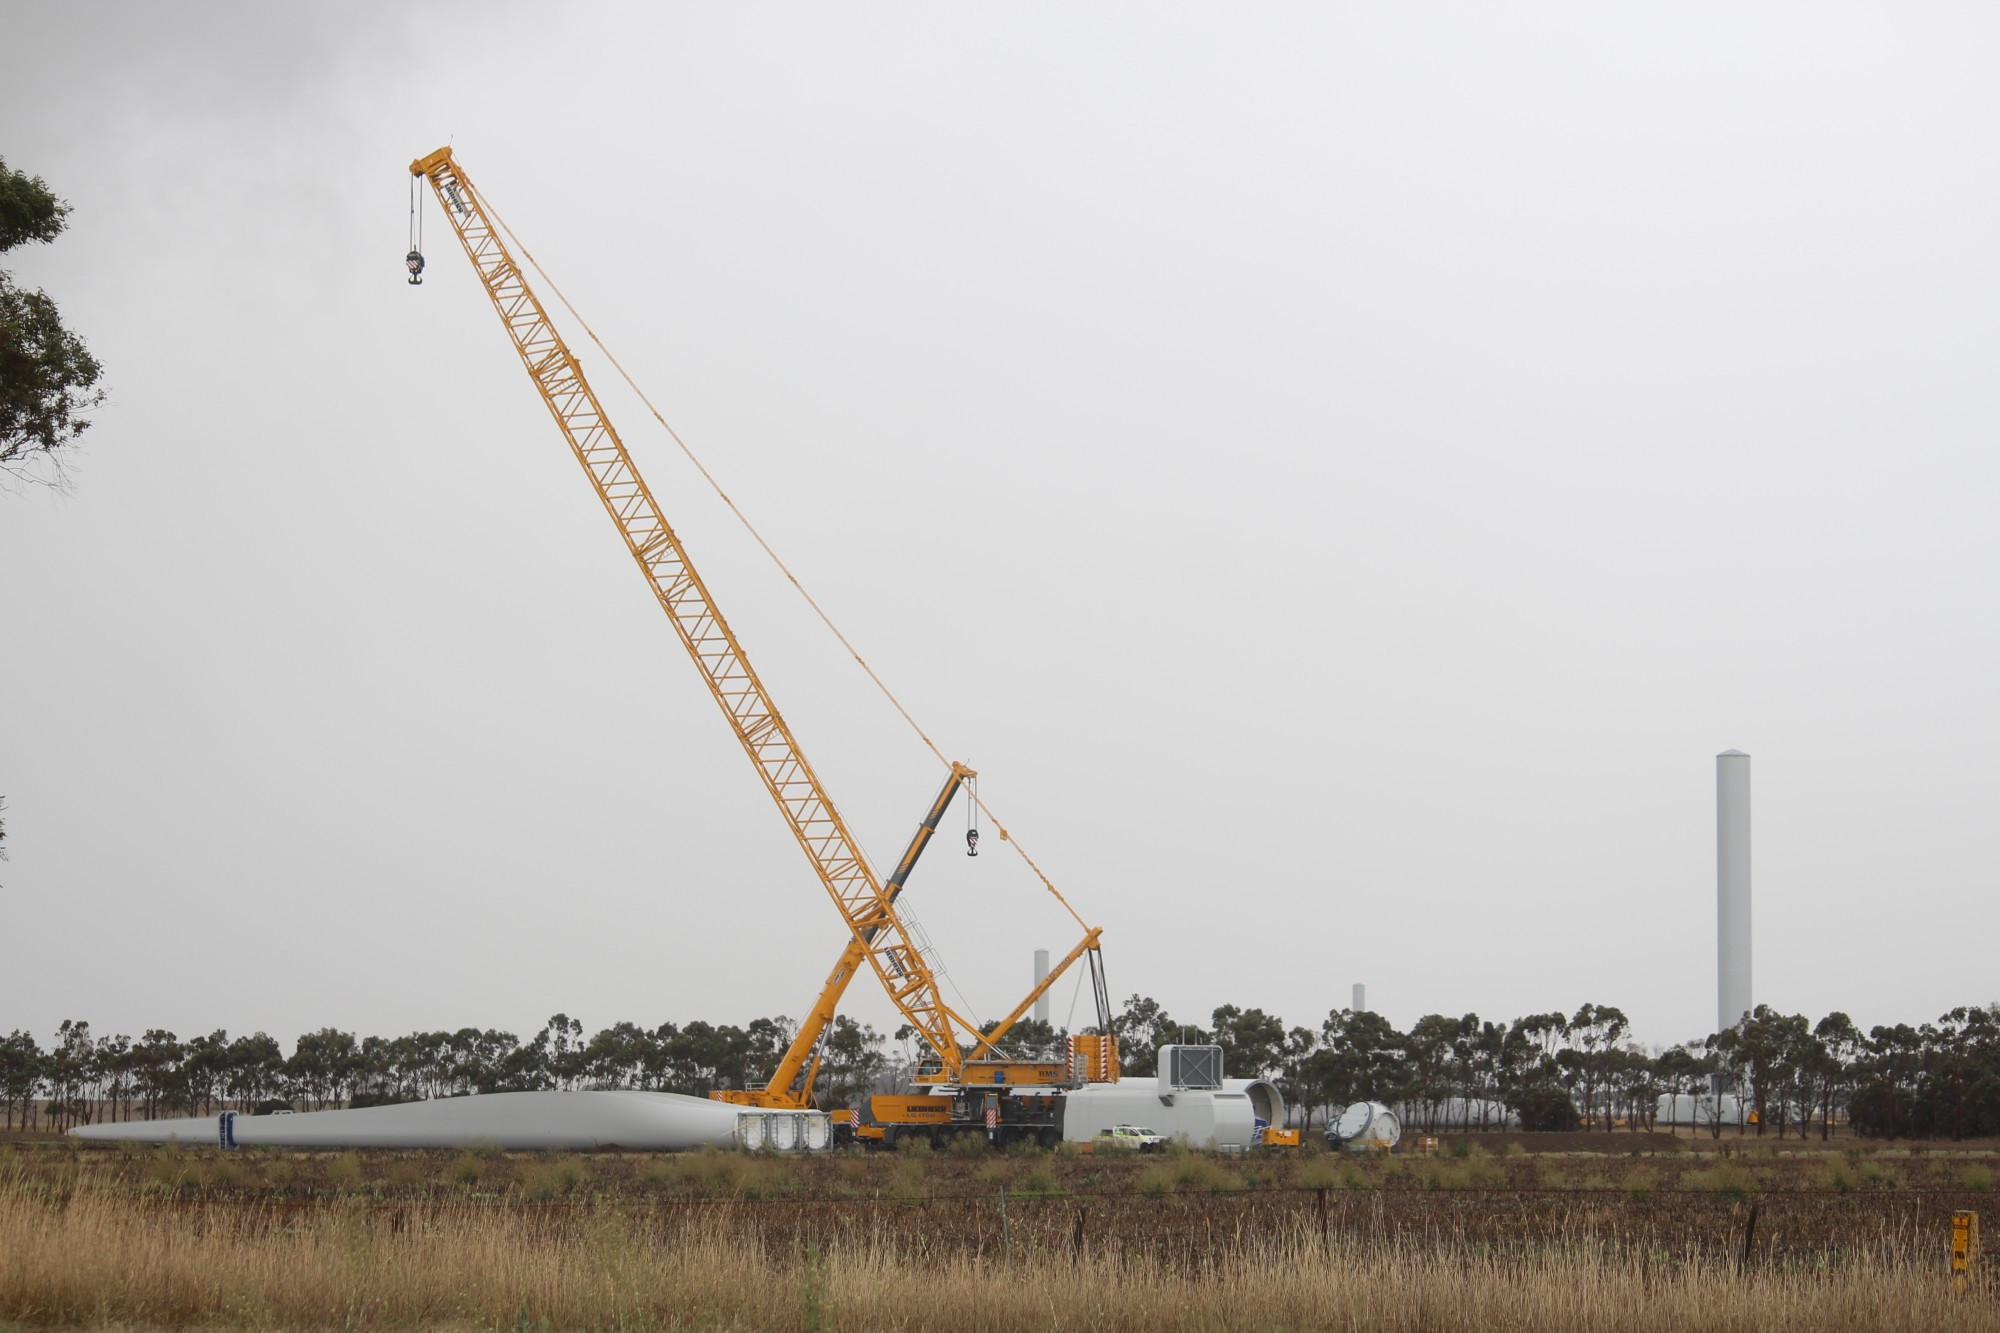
[1267, 1104]
[574, 1120]
[1366, 1125]
[1221, 1118]
[1189, 1067]
[1041, 975]
[1360, 998]
[1700, 1110]
[1732, 888]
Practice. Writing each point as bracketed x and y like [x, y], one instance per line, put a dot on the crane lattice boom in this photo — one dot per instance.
[850, 881]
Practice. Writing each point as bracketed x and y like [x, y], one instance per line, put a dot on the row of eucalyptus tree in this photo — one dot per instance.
[1548, 1071]
[79, 1077]
[1772, 1072]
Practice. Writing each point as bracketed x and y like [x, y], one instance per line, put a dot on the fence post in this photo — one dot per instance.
[1749, 1235]
[1964, 1245]
[1324, 1244]
[1006, 1235]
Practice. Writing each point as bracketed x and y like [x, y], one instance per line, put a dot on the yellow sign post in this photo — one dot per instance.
[1964, 1246]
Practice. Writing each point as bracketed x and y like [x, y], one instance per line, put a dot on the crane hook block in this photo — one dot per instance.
[972, 842]
[414, 261]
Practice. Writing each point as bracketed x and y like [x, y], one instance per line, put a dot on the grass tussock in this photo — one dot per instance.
[1327, 1172]
[1726, 1180]
[1192, 1173]
[100, 1260]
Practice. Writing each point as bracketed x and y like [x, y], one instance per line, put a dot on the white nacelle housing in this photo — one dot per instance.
[1188, 1101]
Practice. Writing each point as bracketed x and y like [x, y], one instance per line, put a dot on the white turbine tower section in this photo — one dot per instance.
[1732, 888]
[1041, 975]
[1360, 998]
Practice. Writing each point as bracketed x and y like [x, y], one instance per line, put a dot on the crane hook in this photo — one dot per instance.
[414, 261]
[972, 842]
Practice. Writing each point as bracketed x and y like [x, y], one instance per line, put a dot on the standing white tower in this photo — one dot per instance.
[1041, 973]
[1732, 888]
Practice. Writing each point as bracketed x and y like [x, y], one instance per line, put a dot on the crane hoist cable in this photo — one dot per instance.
[976, 801]
[414, 261]
[972, 817]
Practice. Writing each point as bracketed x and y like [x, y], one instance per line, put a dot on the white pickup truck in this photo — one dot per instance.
[1136, 1138]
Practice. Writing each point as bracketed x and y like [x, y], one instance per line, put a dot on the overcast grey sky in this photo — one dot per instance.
[1340, 472]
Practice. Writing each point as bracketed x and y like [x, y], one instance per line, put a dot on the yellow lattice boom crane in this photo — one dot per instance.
[963, 1061]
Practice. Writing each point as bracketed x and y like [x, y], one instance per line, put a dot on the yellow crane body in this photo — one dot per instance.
[850, 882]
[975, 1072]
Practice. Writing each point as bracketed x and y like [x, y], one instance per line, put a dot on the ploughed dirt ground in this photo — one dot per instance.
[1656, 1192]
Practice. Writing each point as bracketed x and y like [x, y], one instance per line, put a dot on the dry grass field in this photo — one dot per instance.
[173, 1238]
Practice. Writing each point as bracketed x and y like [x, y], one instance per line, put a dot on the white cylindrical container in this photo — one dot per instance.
[1041, 975]
[1368, 1125]
[1732, 888]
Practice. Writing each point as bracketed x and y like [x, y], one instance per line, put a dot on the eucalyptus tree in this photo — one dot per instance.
[1252, 1041]
[1363, 1059]
[1428, 1062]
[48, 377]
[1686, 1071]
[255, 1070]
[1587, 1060]
[21, 1068]
[1297, 1073]
[852, 1058]
[1142, 1027]
[115, 1076]
[157, 1071]
[200, 1081]
[1840, 1046]
[322, 1066]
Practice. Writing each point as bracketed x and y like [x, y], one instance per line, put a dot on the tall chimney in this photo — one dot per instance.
[1732, 888]
[1360, 998]
[1041, 974]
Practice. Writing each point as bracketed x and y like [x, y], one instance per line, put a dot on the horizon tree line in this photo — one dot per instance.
[1547, 1071]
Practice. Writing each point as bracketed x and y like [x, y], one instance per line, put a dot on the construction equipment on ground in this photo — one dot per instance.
[964, 1084]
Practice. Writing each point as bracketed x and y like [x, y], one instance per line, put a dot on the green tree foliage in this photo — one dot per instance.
[1754, 1056]
[21, 1072]
[1252, 1041]
[852, 1060]
[1551, 1071]
[1032, 1039]
[1361, 1060]
[1143, 1027]
[48, 378]
[1940, 1080]
[1591, 1057]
